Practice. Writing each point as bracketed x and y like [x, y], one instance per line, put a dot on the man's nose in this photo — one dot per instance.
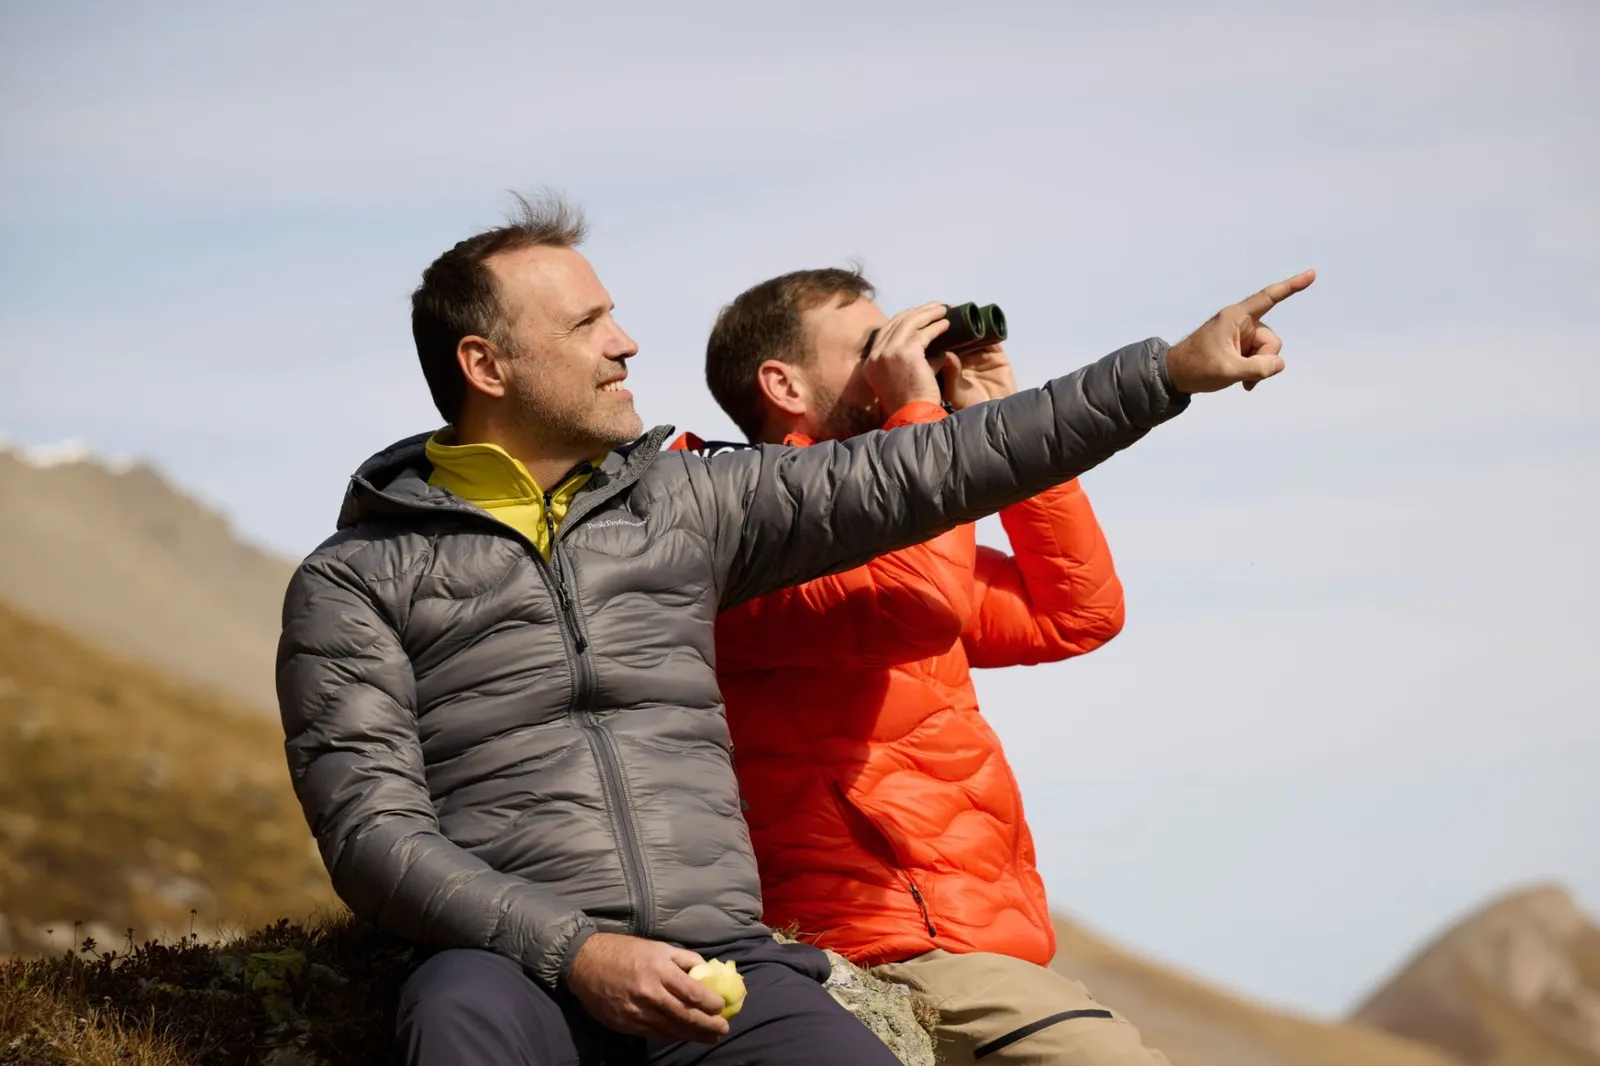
[621, 346]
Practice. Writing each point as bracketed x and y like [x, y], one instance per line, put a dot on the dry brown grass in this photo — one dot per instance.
[41, 1028]
[131, 801]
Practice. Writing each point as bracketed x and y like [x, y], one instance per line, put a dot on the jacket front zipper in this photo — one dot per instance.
[600, 739]
[634, 873]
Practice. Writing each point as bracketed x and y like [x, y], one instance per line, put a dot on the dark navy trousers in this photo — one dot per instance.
[476, 1008]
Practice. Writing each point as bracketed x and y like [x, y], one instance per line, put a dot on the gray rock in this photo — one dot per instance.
[291, 1055]
[894, 1013]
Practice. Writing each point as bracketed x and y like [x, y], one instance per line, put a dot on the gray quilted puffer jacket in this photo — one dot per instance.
[498, 752]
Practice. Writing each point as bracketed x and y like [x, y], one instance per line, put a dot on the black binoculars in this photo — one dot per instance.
[971, 327]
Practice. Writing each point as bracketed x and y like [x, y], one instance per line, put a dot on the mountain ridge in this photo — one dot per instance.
[1197, 1023]
[112, 549]
[1514, 983]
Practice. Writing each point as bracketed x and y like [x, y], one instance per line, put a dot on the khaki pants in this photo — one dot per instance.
[998, 1011]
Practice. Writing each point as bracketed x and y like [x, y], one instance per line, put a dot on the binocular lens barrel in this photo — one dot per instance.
[994, 321]
[971, 327]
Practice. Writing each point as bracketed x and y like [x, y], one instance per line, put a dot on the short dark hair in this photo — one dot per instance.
[766, 322]
[458, 296]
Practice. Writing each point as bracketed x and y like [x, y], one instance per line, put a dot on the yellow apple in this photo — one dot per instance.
[723, 979]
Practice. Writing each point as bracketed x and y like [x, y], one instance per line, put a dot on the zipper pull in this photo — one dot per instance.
[567, 610]
[561, 587]
[572, 615]
[916, 895]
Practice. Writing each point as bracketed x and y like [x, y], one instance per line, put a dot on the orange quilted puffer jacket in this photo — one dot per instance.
[885, 819]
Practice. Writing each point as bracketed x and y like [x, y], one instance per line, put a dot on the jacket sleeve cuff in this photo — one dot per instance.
[1161, 348]
[915, 413]
[570, 955]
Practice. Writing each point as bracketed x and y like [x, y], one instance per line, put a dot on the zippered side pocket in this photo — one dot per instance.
[887, 853]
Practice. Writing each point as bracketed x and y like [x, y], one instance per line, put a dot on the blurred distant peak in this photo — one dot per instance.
[1504, 986]
[1551, 907]
[70, 452]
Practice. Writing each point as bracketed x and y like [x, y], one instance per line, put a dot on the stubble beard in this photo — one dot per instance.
[570, 424]
[841, 421]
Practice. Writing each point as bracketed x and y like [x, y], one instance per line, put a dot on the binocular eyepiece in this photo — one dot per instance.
[971, 327]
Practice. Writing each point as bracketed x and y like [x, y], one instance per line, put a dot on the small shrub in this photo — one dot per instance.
[291, 993]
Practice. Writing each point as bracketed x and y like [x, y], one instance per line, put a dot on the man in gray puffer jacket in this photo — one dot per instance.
[497, 678]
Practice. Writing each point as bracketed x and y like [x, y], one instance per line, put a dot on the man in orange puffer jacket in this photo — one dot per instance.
[886, 821]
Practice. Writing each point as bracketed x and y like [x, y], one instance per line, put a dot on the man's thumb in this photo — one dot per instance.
[1259, 367]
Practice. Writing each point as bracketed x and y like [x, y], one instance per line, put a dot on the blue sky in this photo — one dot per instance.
[1356, 694]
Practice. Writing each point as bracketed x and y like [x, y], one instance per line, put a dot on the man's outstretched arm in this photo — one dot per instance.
[347, 696]
[779, 516]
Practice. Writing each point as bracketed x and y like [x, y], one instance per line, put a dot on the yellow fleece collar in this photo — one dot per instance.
[489, 477]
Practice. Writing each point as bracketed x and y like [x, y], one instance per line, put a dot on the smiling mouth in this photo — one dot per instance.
[612, 386]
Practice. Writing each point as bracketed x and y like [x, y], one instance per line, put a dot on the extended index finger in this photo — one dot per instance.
[1273, 295]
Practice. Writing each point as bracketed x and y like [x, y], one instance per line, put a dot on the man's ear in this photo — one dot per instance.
[783, 388]
[483, 365]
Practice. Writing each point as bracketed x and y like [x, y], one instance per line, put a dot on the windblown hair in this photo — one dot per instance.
[458, 296]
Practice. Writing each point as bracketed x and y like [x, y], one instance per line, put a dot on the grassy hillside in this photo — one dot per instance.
[131, 800]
